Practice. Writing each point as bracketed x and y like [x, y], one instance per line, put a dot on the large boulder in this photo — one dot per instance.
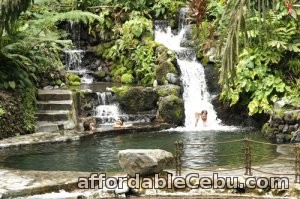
[171, 110]
[144, 161]
[137, 99]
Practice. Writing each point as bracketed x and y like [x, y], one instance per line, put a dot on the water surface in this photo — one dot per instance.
[99, 153]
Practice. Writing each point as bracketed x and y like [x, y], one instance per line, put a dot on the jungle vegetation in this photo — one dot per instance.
[256, 43]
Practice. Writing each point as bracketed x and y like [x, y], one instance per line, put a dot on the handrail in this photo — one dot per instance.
[248, 157]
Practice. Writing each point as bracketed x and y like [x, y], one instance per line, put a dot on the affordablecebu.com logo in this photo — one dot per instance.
[192, 181]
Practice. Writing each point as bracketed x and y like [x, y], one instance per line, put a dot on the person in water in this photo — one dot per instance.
[120, 124]
[89, 124]
[203, 116]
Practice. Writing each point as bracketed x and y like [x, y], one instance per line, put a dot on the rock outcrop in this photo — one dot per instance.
[144, 161]
[283, 126]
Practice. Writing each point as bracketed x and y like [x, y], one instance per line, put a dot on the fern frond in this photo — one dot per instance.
[75, 15]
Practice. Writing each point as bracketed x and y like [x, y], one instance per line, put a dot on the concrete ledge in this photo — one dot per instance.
[70, 135]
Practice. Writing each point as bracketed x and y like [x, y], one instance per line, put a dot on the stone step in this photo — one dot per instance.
[54, 95]
[55, 115]
[45, 126]
[55, 105]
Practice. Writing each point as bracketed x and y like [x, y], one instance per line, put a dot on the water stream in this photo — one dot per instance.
[73, 58]
[195, 95]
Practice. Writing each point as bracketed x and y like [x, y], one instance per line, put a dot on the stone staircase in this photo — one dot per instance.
[55, 111]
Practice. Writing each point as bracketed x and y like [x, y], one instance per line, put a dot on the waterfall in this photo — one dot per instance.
[73, 58]
[107, 112]
[195, 95]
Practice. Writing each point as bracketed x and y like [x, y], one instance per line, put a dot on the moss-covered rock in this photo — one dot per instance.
[166, 63]
[72, 80]
[171, 110]
[136, 99]
[99, 75]
[162, 69]
[169, 89]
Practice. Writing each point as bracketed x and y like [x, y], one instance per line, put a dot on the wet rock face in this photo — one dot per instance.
[171, 110]
[236, 115]
[211, 77]
[144, 161]
[283, 127]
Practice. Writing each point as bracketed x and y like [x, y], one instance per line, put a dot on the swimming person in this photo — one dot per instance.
[203, 116]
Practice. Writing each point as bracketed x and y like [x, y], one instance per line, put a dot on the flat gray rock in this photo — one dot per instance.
[144, 161]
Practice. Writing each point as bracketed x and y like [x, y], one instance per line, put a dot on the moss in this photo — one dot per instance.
[171, 110]
[136, 99]
[58, 82]
[280, 113]
[205, 59]
[162, 69]
[172, 23]
[2, 112]
[74, 78]
[18, 112]
[99, 75]
[266, 129]
[29, 107]
[166, 90]
[127, 79]
[294, 115]
[74, 83]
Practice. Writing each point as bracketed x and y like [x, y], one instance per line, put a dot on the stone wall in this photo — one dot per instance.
[283, 126]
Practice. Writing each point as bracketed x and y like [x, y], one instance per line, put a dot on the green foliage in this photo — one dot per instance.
[165, 9]
[28, 107]
[133, 51]
[294, 66]
[72, 80]
[2, 112]
[255, 78]
[292, 94]
[258, 43]
[9, 14]
[35, 46]
[127, 79]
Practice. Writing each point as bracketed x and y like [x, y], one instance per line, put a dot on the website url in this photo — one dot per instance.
[192, 181]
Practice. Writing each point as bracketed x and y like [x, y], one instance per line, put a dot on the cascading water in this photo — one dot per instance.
[195, 95]
[107, 112]
[73, 58]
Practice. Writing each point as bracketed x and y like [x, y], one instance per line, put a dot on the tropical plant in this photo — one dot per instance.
[258, 44]
[30, 47]
[133, 52]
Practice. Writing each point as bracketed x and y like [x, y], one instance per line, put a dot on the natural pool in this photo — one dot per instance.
[98, 153]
